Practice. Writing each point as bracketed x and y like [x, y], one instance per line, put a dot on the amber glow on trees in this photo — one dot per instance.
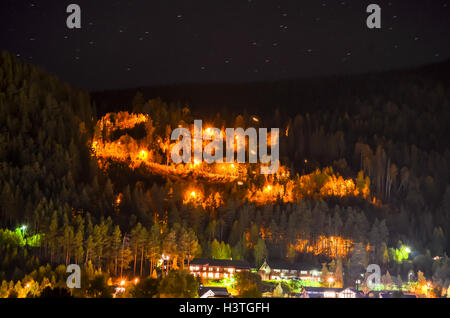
[112, 142]
[332, 246]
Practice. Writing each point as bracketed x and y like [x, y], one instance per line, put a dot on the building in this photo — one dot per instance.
[391, 294]
[285, 270]
[217, 268]
[213, 292]
[324, 292]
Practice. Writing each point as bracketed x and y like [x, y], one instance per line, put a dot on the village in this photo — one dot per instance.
[218, 276]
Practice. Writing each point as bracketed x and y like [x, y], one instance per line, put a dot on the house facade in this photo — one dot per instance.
[286, 270]
[323, 292]
[217, 268]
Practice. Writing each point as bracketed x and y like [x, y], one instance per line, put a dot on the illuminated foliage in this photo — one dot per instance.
[333, 246]
[400, 254]
[150, 150]
[19, 238]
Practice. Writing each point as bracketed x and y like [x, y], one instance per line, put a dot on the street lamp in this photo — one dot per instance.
[23, 228]
[330, 281]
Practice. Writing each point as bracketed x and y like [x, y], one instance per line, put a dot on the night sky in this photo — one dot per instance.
[125, 44]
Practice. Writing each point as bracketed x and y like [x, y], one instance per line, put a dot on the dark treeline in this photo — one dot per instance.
[393, 127]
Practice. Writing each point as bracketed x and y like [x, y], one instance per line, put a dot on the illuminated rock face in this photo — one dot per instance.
[113, 142]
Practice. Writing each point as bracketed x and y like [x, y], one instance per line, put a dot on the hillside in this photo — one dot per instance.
[384, 133]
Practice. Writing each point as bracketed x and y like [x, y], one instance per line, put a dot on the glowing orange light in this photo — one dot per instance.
[122, 282]
[119, 199]
[143, 154]
[208, 131]
[279, 187]
[136, 280]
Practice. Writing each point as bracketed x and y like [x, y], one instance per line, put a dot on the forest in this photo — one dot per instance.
[366, 164]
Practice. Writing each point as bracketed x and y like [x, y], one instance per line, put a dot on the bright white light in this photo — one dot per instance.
[408, 250]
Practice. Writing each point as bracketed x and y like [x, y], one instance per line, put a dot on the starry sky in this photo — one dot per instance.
[126, 44]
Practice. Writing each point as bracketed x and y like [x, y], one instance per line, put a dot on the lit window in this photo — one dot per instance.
[329, 294]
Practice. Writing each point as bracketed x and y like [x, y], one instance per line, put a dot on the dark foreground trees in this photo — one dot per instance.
[178, 284]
